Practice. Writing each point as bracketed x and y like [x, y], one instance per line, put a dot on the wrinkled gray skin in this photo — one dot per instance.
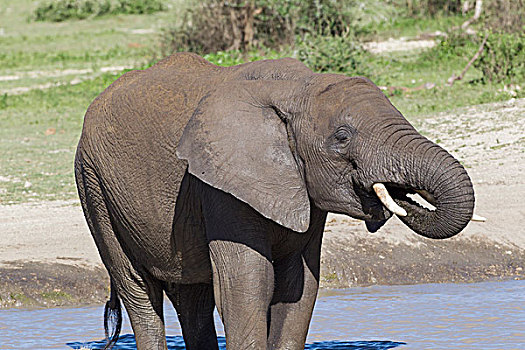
[213, 184]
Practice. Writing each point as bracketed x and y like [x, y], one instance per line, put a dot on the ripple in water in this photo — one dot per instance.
[486, 316]
[127, 342]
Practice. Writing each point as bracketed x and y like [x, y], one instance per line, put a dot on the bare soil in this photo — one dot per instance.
[47, 256]
[76, 76]
[398, 44]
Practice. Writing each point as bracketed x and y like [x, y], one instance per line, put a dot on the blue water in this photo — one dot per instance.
[488, 315]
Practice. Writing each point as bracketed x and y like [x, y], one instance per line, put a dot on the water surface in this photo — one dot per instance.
[489, 315]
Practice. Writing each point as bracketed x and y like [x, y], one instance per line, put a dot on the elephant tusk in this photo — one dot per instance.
[387, 201]
[427, 196]
[478, 218]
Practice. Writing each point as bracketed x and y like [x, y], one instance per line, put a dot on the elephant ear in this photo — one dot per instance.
[237, 142]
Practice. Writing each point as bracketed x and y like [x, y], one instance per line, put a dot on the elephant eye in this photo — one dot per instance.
[340, 140]
[344, 133]
[341, 135]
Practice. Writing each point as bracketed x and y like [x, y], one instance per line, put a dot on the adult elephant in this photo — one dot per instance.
[213, 184]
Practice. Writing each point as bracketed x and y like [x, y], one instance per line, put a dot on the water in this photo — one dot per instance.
[488, 315]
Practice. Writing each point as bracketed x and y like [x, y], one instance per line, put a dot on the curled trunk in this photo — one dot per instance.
[443, 182]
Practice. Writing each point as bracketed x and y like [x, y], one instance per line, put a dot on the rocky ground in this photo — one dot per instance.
[47, 257]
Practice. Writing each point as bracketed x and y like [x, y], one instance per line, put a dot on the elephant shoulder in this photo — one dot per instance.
[185, 62]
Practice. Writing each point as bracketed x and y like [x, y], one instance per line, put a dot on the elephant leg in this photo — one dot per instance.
[296, 285]
[243, 287]
[142, 295]
[143, 299]
[240, 253]
[292, 305]
[194, 304]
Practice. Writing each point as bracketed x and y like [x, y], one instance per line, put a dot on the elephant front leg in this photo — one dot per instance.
[292, 304]
[243, 286]
[296, 285]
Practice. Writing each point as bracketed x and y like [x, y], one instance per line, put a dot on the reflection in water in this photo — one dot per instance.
[487, 316]
[127, 342]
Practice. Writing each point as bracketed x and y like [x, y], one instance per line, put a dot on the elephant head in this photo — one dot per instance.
[325, 140]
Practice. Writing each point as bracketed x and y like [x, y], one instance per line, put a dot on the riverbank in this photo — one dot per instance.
[47, 256]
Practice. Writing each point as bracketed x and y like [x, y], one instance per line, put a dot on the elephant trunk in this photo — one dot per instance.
[427, 170]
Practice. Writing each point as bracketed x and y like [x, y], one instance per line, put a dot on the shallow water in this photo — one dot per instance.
[488, 315]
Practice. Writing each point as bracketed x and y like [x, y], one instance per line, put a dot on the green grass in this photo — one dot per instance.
[105, 41]
[413, 69]
[40, 128]
[55, 296]
[35, 165]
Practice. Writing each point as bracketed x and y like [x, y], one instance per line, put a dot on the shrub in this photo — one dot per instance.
[334, 54]
[455, 44]
[498, 15]
[61, 10]
[503, 58]
[218, 25]
[232, 58]
[324, 17]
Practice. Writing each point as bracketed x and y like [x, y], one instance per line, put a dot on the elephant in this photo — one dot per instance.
[212, 185]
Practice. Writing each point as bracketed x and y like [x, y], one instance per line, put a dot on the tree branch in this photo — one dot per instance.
[453, 78]
[477, 14]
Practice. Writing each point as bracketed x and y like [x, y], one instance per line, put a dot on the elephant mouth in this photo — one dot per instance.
[412, 200]
[406, 201]
[418, 208]
[400, 200]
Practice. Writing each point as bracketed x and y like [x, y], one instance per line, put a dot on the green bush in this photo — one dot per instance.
[232, 58]
[503, 58]
[334, 54]
[61, 10]
[218, 25]
[455, 44]
[325, 17]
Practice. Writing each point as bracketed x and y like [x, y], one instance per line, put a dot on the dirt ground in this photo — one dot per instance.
[47, 256]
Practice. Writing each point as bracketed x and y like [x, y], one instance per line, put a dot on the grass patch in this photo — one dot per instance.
[329, 277]
[56, 296]
[40, 130]
[104, 41]
[18, 299]
[232, 58]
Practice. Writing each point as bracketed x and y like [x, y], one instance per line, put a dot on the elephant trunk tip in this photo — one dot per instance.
[432, 215]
